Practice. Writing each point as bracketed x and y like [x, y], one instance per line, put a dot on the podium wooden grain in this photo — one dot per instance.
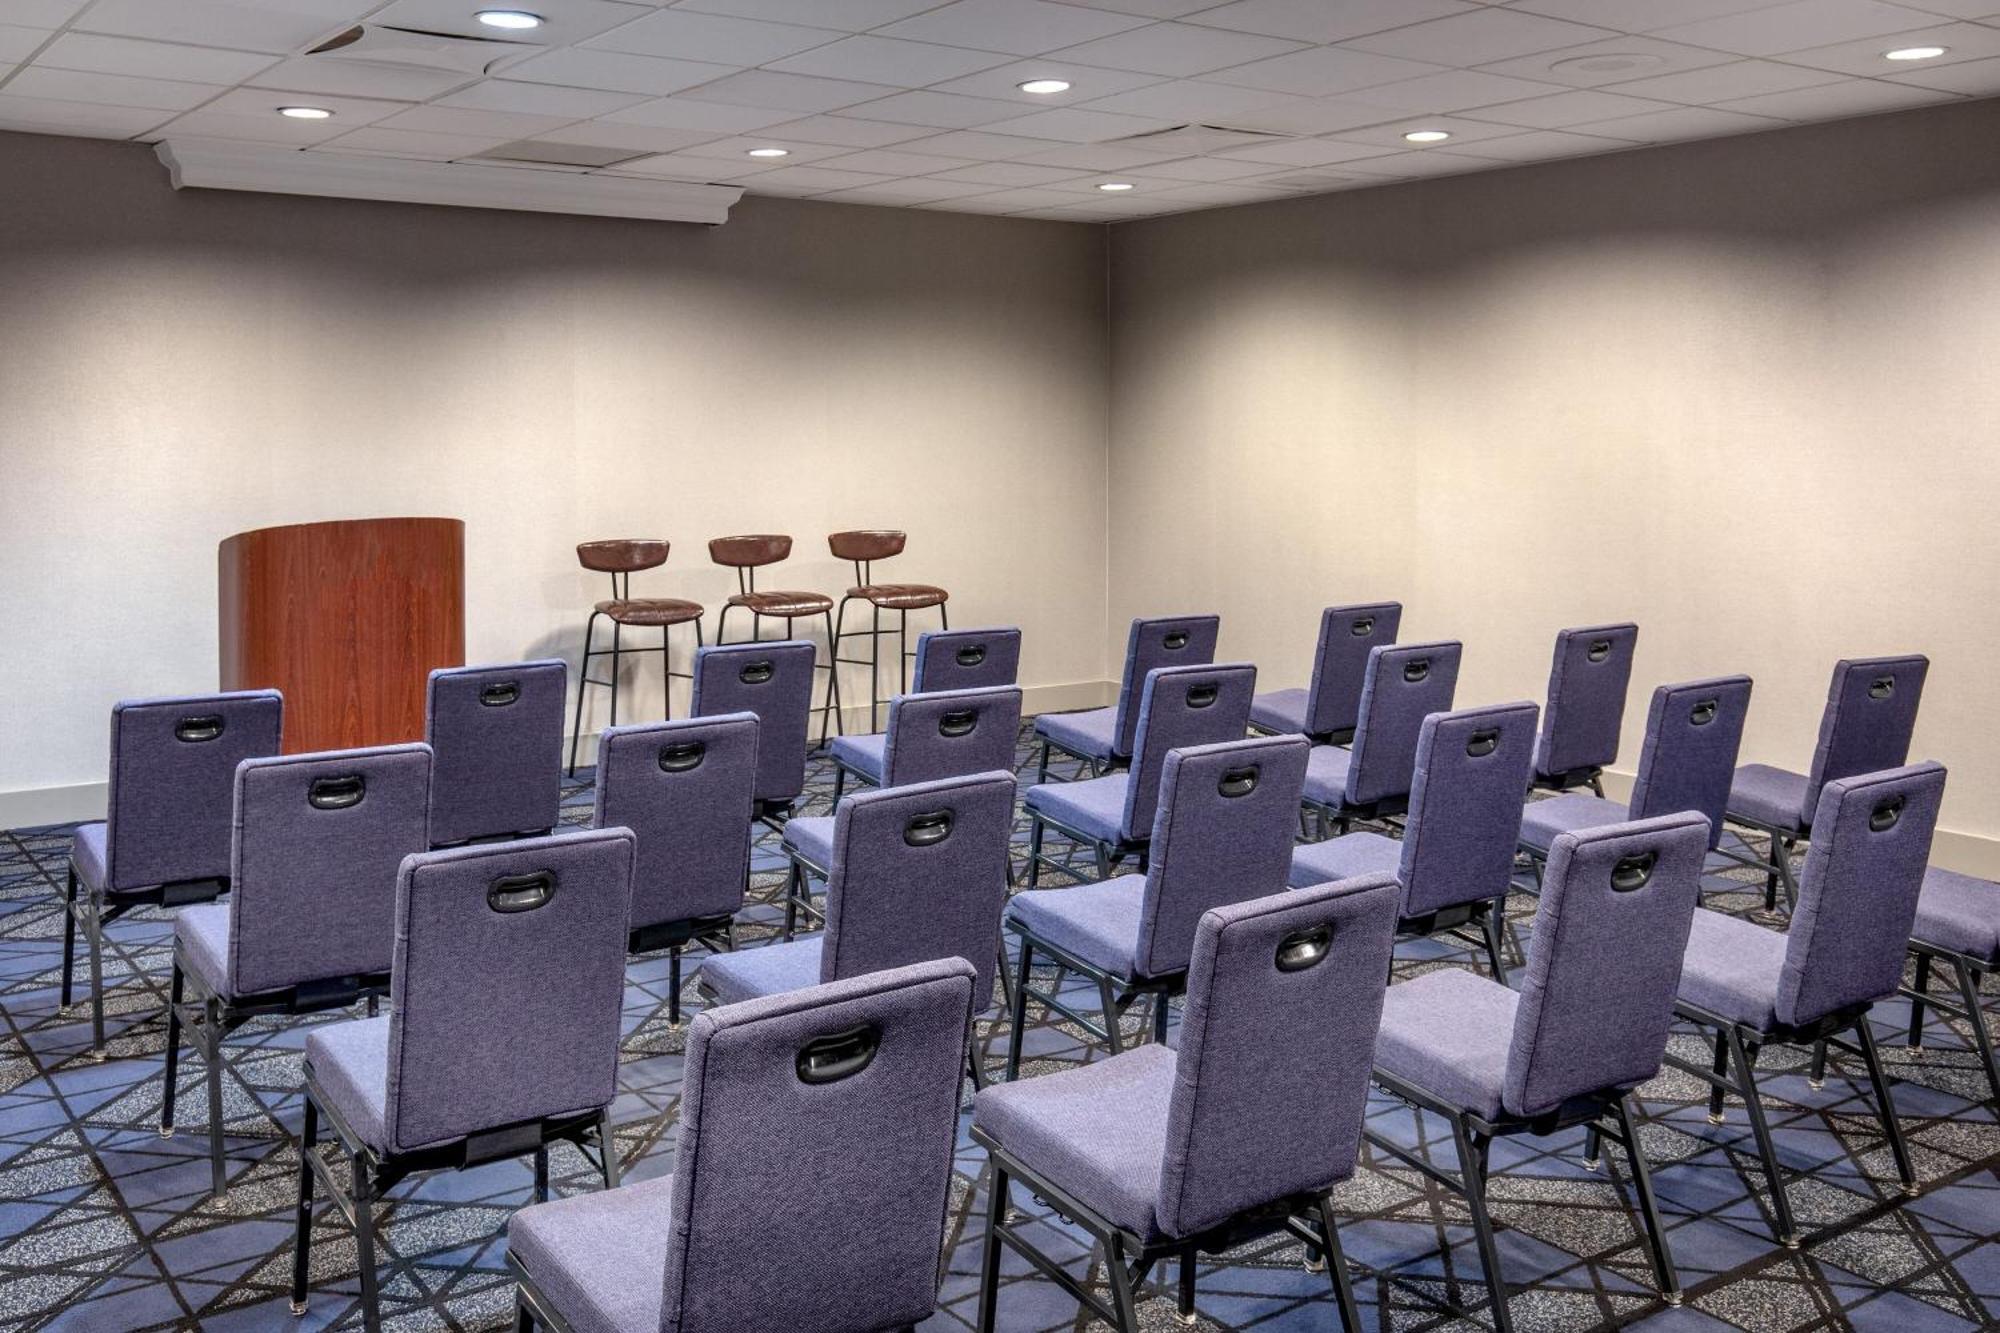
[346, 619]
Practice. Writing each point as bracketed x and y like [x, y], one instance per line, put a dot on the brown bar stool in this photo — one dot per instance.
[619, 559]
[864, 548]
[746, 555]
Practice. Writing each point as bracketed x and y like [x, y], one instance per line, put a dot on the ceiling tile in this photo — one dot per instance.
[1152, 9]
[1960, 9]
[204, 123]
[1176, 49]
[1739, 78]
[1412, 166]
[18, 43]
[151, 60]
[1608, 61]
[411, 143]
[1006, 173]
[1453, 90]
[1850, 97]
[844, 15]
[893, 163]
[813, 180]
[1478, 38]
[354, 78]
[1543, 145]
[1209, 169]
[563, 21]
[1018, 27]
[1327, 20]
[983, 147]
[1075, 125]
[1390, 135]
[1692, 122]
[545, 99]
[1579, 106]
[945, 111]
[1140, 181]
[1097, 157]
[1979, 78]
[684, 35]
[797, 93]
[45, 14]
[681, 113]
[889, 61]
[263, 104]
[1962, 42]
[1323, 71]
[1312, 115]
[678, 166]
[738, 150]
[1307, 152]
[1002, 202]
[38, 115]
[1192, 99]
[281, 26]
[1086, 82]
[1796, 26]
[849, 132]
[66, 85]
[638, 138]
[458, 120]
[1211, 195]
[906, 192]
[1640, 15]
[611, 72]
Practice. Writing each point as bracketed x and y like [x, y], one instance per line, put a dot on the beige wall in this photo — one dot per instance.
[1743, 392]
[176, 367]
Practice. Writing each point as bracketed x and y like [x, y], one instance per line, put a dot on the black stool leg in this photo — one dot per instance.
[667, 673]
[617, 668]
[832, 688]
[582, 683]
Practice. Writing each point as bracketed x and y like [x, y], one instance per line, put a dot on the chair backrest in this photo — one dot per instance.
[173, 776]
[685, 789]
[509, 982]
[1604, 963]
[918, 873]
[319, 841]
[858, 1080]
[749, 552]
[1587, 684]
[1465, 806]
[623, 555]
[1284, 1000]
[1223, 834]
[774, 681]
[1871, 839]
[866, 544]
[949, 733]
[1406, 684]
[966, 659]
[1163, 641]
[1340, 662]
[1182, 706]
[495, 734]
[1871, 711]
[1693, 731]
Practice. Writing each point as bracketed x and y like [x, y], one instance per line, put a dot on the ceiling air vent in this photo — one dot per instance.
[1190, 140]
[581, 155]
[376, 44]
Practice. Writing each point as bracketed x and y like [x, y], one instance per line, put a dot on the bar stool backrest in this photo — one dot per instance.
[773, 680]
[866, 545]
[1164, 641]
[950, 733]
[1465, 806]
[1182, 706]
[1407, 682]
[686, 789]
[966, 659]
[172, 780]
[496, 735]
[623, 555]
[1340, 662]
[1693, 733]
[1871, 711]
[750, 552]
[1587, 683]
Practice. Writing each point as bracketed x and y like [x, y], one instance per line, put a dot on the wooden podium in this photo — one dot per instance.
[346, 619]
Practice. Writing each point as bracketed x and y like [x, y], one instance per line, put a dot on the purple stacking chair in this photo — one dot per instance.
[1242, 1131]
[685, 790]
[1221, 833]
[1113, 815]
[1406, 684]
[1456, 857]
[1693, 730]
[1958, 923]
[165, 839]
[1871, 712]
[966, 659]
[1326, 710]
[1588, 1025]
[773, 680]
[1102, 739]
[917, 873]
[1816, 982]
[495, 734]
[311, 918]
[1587, 684]
[859, 1078]
[938, 734]
[502, 1038]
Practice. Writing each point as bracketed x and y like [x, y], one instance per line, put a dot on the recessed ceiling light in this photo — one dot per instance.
[306, 112]
[1115, 186]
[514, 20]
[1428, 136]
[1915, 53]
[1044, 87]
[770, 152]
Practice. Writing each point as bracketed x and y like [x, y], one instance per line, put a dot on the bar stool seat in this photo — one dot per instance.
[901, 596]
[783, 603]
[660, 611]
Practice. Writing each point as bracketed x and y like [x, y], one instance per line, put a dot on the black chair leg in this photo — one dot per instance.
[69, 937]
[1472, 1172]
[1816, 1072]
[1898, 1149]
[211, 1022]
[1112, 1035]
[1160, 1017]
[607, 1150]
[93, 908]
[1491, 924]
[1982, 1038]
[1018, 1014]
[1036, 832]
[1124, 1301]
[1716, 1092]
[364, 1246]
[542, 1174]
[674, 988]
[171, 1087]
[1336, 1269]
[1042, 768]
[1745, 1057]
[302, 1237]
[524, 1319]
[1922, 988]
[1184, 1289]
[989, 1251]
[1649, 1207]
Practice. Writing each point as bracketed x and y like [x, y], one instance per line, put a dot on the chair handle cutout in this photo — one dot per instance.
[1632, 872]
[501, 694]
[195, 730]
[756, 673]
[1238, 782]
[682, 757]
[928, 830]
[339, 793]
[1483, 742]
[1202, 695]
[838, 1055]
[958, 722]
[521, 893]
[1599, 650]
[971, 656]
[1304, 948]
[1884, 816]
[1418, 670]
[1703, 712]
[1882, 687]
[1362, 627]
[1175, 640]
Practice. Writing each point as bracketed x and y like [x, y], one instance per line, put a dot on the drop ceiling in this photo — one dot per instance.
[915, 103]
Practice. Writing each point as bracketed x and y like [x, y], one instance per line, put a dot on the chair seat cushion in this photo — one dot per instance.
[1447, 1032]
[1541, 821]
[1326, 775]
[88, 853]
[1097, 923]
[350, 1062]
[863, 754]
[1960, 913]
[1282, 711]
[1773, 797]
[770, 969]
[784, 603]
[202, 932]
[1099, 1133]
[651, 611]
[1094, 807]
[1341, 858]
[811, 836]
[599, 1258]
[901, 596]
[1092, 734]
[1732, 969]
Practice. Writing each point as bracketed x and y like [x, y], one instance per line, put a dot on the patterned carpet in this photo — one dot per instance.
[106, 1226]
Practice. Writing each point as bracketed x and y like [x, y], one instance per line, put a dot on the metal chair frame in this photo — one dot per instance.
[864, 576]
[1967, 1009]
[830, 706]
[98, 909]
[621, 590]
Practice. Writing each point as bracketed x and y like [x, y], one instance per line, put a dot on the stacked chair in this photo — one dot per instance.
[1327, 710]
[1101, 739]
[1405, 684]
